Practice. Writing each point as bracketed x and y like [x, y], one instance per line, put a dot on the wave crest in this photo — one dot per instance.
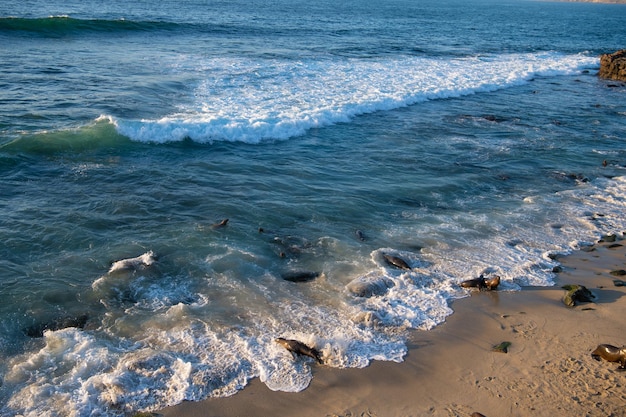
[60, 26]
[256, 100]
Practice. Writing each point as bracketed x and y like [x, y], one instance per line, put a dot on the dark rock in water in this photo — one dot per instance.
[618, 273]
[37, 330]
[613, 66]
[494, 118]
[369, 285]
[396, 261]
[359, 235]
[576, 293]
[300, 276]
[291, 246]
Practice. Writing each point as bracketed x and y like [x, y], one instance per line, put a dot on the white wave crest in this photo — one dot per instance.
[252, 101]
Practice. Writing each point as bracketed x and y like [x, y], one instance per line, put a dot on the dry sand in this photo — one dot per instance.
[452, 370]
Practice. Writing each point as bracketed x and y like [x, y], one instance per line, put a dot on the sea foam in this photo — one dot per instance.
[251, 101]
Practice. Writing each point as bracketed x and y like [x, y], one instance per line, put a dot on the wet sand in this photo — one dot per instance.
[453, 371]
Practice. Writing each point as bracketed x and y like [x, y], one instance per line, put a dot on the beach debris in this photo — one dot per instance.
[396, 261]
[618, 273]
[501, 347]
[300, 276]
[132, 264]
[610, 353]
[619, 283]
[369, 285]
[38, 329]
[299, 348]
[219, 224]
[576, 293]
[482, 283]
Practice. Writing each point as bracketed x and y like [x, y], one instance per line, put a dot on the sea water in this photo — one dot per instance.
[465, 137]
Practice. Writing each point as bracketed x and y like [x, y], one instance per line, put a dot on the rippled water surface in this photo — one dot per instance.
[464, 138]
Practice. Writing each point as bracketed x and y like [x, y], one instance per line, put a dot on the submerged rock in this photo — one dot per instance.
[613, 66]
[37, 329]
[369, 285]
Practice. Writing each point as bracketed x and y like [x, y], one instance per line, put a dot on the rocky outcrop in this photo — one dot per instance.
[613, 66]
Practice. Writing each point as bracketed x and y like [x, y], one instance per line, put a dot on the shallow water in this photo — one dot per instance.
[127, 129]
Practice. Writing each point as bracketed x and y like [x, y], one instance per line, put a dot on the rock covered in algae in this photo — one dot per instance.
[576, 293]
[502, 347]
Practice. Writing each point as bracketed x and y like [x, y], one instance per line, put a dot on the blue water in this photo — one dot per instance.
[466, 138]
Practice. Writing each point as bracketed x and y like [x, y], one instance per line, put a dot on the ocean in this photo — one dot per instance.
[183, 182]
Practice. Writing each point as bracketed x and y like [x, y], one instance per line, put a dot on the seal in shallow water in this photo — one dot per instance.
[300, 276]
[299, 348]
[220, 224]
[610, 353]
[396, 261]
[482, 283]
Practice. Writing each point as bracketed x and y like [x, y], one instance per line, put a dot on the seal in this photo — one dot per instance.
[396, 261]
[482, 283]
[299, 348]
[610, 353]
[219, 225]
[492, 283]
[300, 276]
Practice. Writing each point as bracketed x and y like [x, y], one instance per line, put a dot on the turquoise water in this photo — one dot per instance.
[466, 138]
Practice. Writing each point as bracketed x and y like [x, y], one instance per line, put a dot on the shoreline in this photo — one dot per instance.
[452, 370]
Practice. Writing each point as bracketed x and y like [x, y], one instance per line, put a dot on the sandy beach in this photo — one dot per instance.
[453, 370]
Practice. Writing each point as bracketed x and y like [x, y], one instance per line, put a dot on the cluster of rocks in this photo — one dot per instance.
[613, 66]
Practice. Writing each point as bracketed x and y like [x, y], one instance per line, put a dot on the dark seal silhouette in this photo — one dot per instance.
[482, 283]
[396, 261]
[299, 348]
